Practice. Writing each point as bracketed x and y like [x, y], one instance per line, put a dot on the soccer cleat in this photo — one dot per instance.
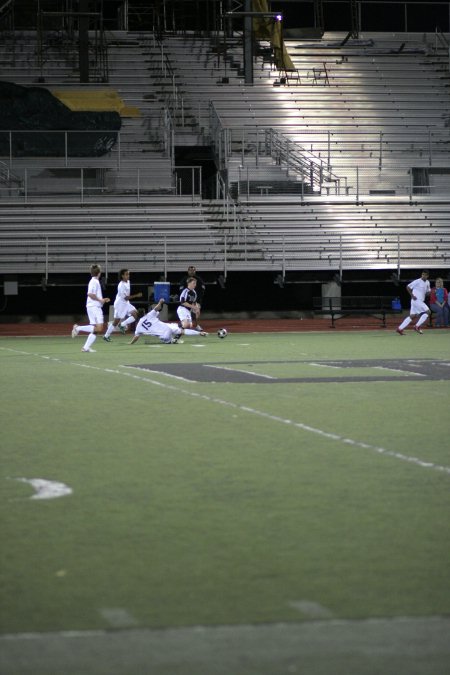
[122, 329]
[418, 330]
[203, 333]
[88, 349]
[107, 338]
[75, 330]
[199, 328]
[400, 331]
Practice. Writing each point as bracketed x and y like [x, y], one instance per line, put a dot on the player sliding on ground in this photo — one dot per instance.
[168, 333]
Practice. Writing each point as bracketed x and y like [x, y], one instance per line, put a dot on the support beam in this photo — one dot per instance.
[248, 43]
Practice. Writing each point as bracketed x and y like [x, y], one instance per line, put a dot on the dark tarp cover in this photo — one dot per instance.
[35, 108]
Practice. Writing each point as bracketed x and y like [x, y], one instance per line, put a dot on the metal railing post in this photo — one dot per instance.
[329, 151]
[225, 255]
[46, 258]
[82, 185]
[65, 149]
[165, 258]
[430, 151]
[257, 145]
[106, 258]
[380, 160]
[287, 156]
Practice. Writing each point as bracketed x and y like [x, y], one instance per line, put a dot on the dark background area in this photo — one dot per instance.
[376, 15]
[250, 292]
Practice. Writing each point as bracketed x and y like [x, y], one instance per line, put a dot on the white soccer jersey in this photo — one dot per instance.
[122, 307]
[151, 325]
[420, 288]
[95, 288]
[123, 292]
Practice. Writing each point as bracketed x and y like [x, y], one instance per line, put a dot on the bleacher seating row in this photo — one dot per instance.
[349, 106]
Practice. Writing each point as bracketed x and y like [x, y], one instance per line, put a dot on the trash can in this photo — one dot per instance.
[162, 290]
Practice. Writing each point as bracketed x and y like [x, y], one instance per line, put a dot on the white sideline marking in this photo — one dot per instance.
[47, 489]
[155, 372]
[433, 623]
[240, 370]
[252, 411]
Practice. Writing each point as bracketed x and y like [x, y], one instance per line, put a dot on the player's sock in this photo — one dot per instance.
[109, 330]
[90, 341]
[190, 331]
[127, 322]
[405, 323]
[422, 320]
[86, 329]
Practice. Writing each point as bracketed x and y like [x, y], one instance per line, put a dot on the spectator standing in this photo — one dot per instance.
[418, 289]
[94, 308]
[439, 303]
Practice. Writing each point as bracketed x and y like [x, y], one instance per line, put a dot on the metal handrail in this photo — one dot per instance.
[18, 153]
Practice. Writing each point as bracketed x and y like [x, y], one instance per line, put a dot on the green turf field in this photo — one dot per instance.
[262, 480]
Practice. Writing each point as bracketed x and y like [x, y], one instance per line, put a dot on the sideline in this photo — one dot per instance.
[392, 646]
[252, 411]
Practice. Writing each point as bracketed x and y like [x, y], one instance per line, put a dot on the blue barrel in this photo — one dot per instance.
[162, 290]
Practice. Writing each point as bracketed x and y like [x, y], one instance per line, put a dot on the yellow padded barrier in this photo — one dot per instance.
[100, 100]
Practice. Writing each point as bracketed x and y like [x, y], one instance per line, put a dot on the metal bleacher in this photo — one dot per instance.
[343, 164]
[371, 113]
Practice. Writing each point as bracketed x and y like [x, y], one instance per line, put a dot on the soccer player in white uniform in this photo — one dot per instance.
[94, 308]
[150, 324]
[124, 312]
[418, 290]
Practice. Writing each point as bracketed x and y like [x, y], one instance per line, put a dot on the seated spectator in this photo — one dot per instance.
[439, 303]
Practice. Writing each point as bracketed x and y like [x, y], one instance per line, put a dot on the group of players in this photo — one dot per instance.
[189, 308]
[149, 323]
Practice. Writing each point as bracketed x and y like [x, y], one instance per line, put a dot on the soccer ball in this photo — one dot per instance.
[222, 332]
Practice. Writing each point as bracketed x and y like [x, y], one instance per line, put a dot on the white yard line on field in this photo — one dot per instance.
[251, 411]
